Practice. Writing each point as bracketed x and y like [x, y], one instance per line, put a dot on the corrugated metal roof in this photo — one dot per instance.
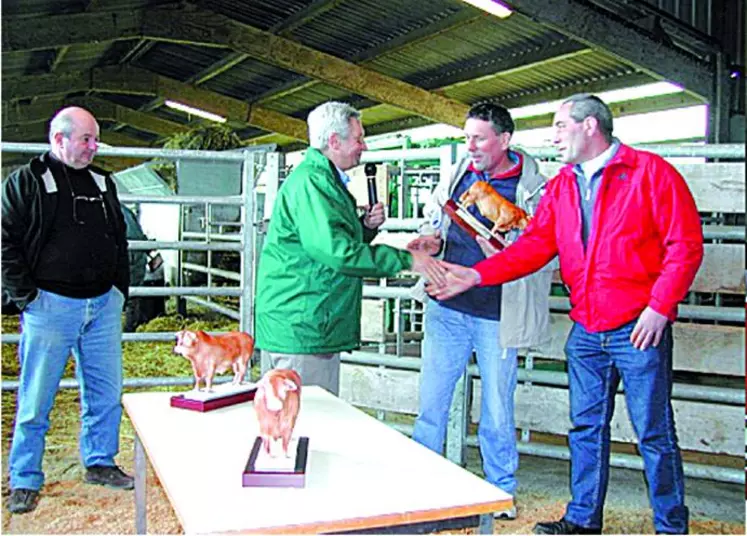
[178, 61]
[354, 26]
[303, 101]
[447, 51]
[14, 8]
[443, 45]
[169, 114]
[588, 65]
[262, 14]
[84, 57]
[26, 63]
[138, 134]
[248, 79]
[125, 99]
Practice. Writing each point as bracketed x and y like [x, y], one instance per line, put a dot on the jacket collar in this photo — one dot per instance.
[530, 178]
[625, 156]
[316, 158]
[44, 163]
[517, 159]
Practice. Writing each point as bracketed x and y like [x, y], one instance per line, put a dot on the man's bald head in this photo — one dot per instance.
[74, 136]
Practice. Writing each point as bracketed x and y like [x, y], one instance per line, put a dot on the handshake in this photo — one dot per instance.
[444, 279]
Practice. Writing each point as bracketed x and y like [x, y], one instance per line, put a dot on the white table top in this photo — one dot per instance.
[360, 472]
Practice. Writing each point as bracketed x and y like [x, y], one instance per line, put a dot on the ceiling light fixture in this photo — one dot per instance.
[494, 7]
[195, 111]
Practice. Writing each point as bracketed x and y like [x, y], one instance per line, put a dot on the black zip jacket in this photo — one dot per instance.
[28, 212]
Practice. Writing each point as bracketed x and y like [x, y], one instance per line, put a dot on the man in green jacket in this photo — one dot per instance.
[316, 254]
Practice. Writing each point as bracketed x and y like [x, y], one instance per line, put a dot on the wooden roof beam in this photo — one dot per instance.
[629, 44]
[510, 101]
[619, 109]
[102, 109]
[38, 132]
[504, 63]
[211, 29]
[410, 39]
[527, 98]
[622, 109]
[132, 80]
[284, 27]
[65, 30]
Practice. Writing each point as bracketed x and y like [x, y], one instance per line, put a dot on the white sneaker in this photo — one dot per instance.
[508, 514]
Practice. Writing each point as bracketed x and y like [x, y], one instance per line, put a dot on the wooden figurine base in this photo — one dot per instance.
[223, 395]
[472, 225]
[263, 471]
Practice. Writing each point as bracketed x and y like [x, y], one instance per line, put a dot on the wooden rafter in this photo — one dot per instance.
[132, 80]
[102, 109]
[210, 29]
[631, 45]
[38, 132]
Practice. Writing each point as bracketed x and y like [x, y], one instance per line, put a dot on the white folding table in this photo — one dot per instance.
[361, 474]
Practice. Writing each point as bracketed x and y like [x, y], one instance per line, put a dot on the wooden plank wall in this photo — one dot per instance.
[701, 426]
[705, 349]
[716, 187]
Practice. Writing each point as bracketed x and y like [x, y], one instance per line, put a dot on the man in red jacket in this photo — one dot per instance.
[625, 227]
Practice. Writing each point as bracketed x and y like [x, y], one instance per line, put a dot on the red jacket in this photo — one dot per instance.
[645, 246]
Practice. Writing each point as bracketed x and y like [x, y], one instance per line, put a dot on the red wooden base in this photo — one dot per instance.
[181, 401]
[473, 227]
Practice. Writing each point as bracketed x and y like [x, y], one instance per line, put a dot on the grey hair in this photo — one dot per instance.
[585, 105]
[61, 122]
[327, 119]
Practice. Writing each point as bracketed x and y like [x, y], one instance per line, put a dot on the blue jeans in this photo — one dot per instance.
[596, 363]
[450, 338]
[52, 326]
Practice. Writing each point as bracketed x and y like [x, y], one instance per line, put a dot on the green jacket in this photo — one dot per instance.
[309, 280]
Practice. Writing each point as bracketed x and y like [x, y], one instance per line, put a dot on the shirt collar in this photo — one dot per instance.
[591, 167]
[343, 176]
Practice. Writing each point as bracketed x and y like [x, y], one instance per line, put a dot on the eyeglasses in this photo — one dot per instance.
[83, 204]
[84, 209]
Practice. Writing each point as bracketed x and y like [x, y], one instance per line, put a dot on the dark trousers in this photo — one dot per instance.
[144, 309]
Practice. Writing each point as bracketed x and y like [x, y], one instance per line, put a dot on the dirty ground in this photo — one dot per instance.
[68, 506]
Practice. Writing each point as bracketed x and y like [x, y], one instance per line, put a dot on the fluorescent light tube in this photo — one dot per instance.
[494, 7]
[195, 111]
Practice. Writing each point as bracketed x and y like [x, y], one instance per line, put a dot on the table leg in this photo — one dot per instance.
[486, 524]
[141, 521]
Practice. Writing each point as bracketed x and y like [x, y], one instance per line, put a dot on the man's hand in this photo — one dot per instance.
[374, 216]
[430, 244]
[458, 279]
[428, 267]
[649, 329]
[487, 248]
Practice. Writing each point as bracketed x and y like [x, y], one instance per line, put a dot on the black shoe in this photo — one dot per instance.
[110, 476]
[563, 527]
[22, 500]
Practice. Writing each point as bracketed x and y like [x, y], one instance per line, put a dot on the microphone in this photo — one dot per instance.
[370, 170]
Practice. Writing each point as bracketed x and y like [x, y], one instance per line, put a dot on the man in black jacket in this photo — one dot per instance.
[65, 267]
